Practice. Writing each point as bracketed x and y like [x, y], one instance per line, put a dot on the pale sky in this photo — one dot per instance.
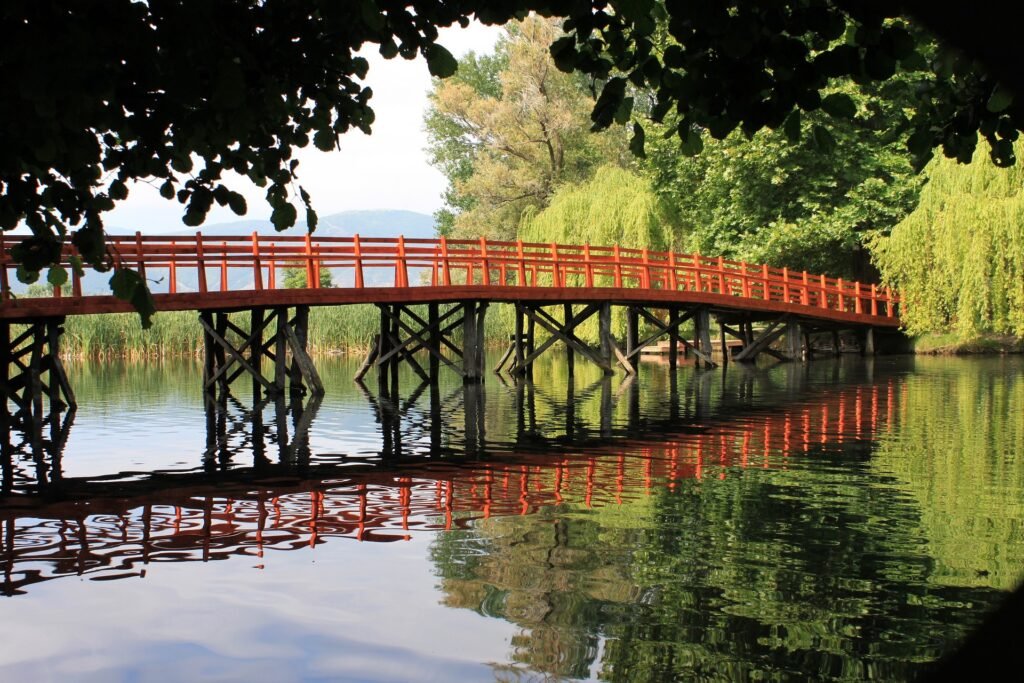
[386, 170]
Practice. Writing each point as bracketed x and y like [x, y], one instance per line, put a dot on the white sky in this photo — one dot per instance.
[386, 170]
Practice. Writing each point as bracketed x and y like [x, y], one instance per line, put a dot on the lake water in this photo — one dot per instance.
[836, 520]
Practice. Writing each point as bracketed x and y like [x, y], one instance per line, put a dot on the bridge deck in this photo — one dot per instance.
[210, 272]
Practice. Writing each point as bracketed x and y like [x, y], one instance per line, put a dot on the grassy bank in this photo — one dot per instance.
[331, 330]
[950, 344]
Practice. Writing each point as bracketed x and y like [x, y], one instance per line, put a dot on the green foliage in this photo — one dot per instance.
[767, 200]
[452, 146]
[510, 133]
[297, 278]
[614, 207]
[958, 260]
[181, 93]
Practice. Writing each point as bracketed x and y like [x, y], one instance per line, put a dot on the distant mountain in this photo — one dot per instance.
[377, 223]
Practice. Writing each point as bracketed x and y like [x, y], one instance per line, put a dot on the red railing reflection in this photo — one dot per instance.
[106, 538]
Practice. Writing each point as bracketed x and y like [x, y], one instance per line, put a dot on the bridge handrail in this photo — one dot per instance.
[444, 262]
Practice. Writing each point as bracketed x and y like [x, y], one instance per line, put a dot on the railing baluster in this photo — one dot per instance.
[555, 282]
[201, 262]
[484, 262]
[647, 269]
[271, 269]
[857, 305]
[401, 273]
[445, 262]
[588, 265]
[697, 284]
[764, 277]
[223, 266]
[785, 284]
[357, 255]
[721, 275]
[841, 303]
[805, 295]
[745, 281]
[673, 281]
[874, 299]
[172, 270]
[311, 280]
[824, 294]
[522, 263]
[257, 268]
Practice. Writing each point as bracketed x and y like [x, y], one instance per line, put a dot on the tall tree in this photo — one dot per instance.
[767, 200]
[514, 147]
[958, 260]
[453, 148]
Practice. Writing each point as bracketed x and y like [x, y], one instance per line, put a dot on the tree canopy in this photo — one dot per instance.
[181, 93]
[958, 260]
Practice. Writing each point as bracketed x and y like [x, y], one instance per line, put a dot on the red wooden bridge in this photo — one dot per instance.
[224, 276]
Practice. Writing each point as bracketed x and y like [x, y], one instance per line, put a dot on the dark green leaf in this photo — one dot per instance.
[167, 190]
[283, 217]
[25, 275]
[839, 105]
[823, 139]
[440, 62]
[792, 126]
[57, 276]
[237, 203]
[636, 143]
[999, 100]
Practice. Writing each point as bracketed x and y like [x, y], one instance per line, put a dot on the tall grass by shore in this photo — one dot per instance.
[332, 329]
[178, 333]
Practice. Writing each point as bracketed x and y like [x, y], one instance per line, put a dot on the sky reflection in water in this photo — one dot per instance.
[839, 520]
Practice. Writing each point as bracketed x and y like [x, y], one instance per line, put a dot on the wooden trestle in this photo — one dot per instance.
[231, 351]
[33, 378]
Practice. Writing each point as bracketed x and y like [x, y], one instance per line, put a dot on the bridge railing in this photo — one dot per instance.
[211, 263]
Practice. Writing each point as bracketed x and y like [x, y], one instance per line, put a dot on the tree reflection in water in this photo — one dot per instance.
[676, 527]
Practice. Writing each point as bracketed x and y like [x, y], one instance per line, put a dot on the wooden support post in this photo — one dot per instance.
[570, 355]
[221, 327]
[531, 345]
[793, 337]
[673, 338]
[384, 341]
[434, 335]
[280, 352]
[722, 341]
[835, 343]
[209, 352]
[256, 347]
[607, 342]
[702, 323]
[517, 341]
[470, 344]
[393, 334]
[632, 336]
[481, 339]
[868, 347]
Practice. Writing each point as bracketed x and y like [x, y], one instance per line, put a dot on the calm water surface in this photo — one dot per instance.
[839, 520]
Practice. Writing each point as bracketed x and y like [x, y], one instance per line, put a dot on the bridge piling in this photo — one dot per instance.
[25, 383]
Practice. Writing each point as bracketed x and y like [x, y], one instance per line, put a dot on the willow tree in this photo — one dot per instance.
[958, 260]
[614, 207]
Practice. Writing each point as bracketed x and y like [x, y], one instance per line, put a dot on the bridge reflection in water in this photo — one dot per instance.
[436, 468]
